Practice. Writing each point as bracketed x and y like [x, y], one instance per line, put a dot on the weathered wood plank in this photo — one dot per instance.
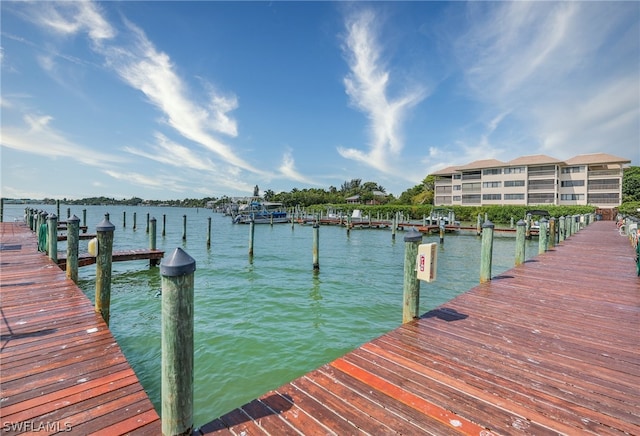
[61, 369]
[548, 347]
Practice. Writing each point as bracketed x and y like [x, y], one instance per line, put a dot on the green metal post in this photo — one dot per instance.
[411, 288]
[486, 252]
[177, 273]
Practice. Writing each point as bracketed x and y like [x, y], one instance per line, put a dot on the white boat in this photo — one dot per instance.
[261, 212]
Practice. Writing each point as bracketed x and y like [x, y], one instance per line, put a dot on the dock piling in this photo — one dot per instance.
[411, 288]
[542, 236]
[184, 227]
[316, 243]
[561, 228]
[552, 233]
[486, 251]
[252, 226]
[208, 232]
[164, 225]
[520, 242]
[73, 239]
[104, 232]
[52, 221]
[153, 225]
[177, 273]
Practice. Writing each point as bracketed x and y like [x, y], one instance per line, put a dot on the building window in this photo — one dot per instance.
[457, 187]
[544, 184]
[457, 198]
[541, 198]
[514, 170]
[512, 183]
[492, 172]
[603, 198]
[457, 176]
[543, 170]
[599, 184]
[492, 196]
[471, 175]
[514, 196]
[571, 197]
[567, 170]
[471, 187]
[571, 183]
[471, 199]
[491, 184]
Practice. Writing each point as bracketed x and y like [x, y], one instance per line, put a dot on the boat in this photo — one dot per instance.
[261, 212]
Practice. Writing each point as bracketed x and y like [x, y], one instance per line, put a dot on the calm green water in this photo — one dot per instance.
[262, 323]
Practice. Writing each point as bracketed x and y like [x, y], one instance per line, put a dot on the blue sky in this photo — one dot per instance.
[168, 100]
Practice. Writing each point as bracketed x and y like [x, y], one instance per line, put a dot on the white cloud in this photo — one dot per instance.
[288, 169]
[171, 153]
[37, 136]
[566, 72]
[367, 86]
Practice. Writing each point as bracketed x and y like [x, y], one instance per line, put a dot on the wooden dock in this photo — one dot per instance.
[60, 368]
[549, 347]
[85, 259]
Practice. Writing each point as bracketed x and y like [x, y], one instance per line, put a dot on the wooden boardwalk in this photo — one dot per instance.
[549, 347]
[60, 367]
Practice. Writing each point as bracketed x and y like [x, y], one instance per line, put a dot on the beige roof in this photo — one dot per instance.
[537, 159]
[445, 171]
[596, 158]
[482, 163]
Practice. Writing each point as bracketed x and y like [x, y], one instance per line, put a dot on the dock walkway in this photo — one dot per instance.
[549, 347]
[60, 367]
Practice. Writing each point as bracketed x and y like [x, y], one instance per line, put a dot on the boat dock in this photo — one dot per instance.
[60, 368]
[549, 347]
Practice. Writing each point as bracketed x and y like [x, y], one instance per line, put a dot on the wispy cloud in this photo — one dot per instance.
[288, 170]
[171, 153]
[37, 136]
[367, 85]
[544, 63]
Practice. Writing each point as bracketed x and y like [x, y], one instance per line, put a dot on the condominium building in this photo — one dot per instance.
[593, 179]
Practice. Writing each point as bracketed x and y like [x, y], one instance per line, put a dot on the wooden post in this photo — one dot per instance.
[68, 213]
[124, 218]
[478, 226]
[252, 226]
[184, 227]
[104, 259]
[552, 232]
[520, 242]
[177, 273]
[527, 233]
[441, 226]
[208, 232]
[561, 228]
[135, 215]
[542, 236]
[84, 217]
[73, 239]
[486, 252]
[348, 224]
[316, 246]
[411, 288]
[394, 226]
[58, 207]
[511, 223]
[52, 221]
[152, 239]
[164, 225]
[147, 228]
